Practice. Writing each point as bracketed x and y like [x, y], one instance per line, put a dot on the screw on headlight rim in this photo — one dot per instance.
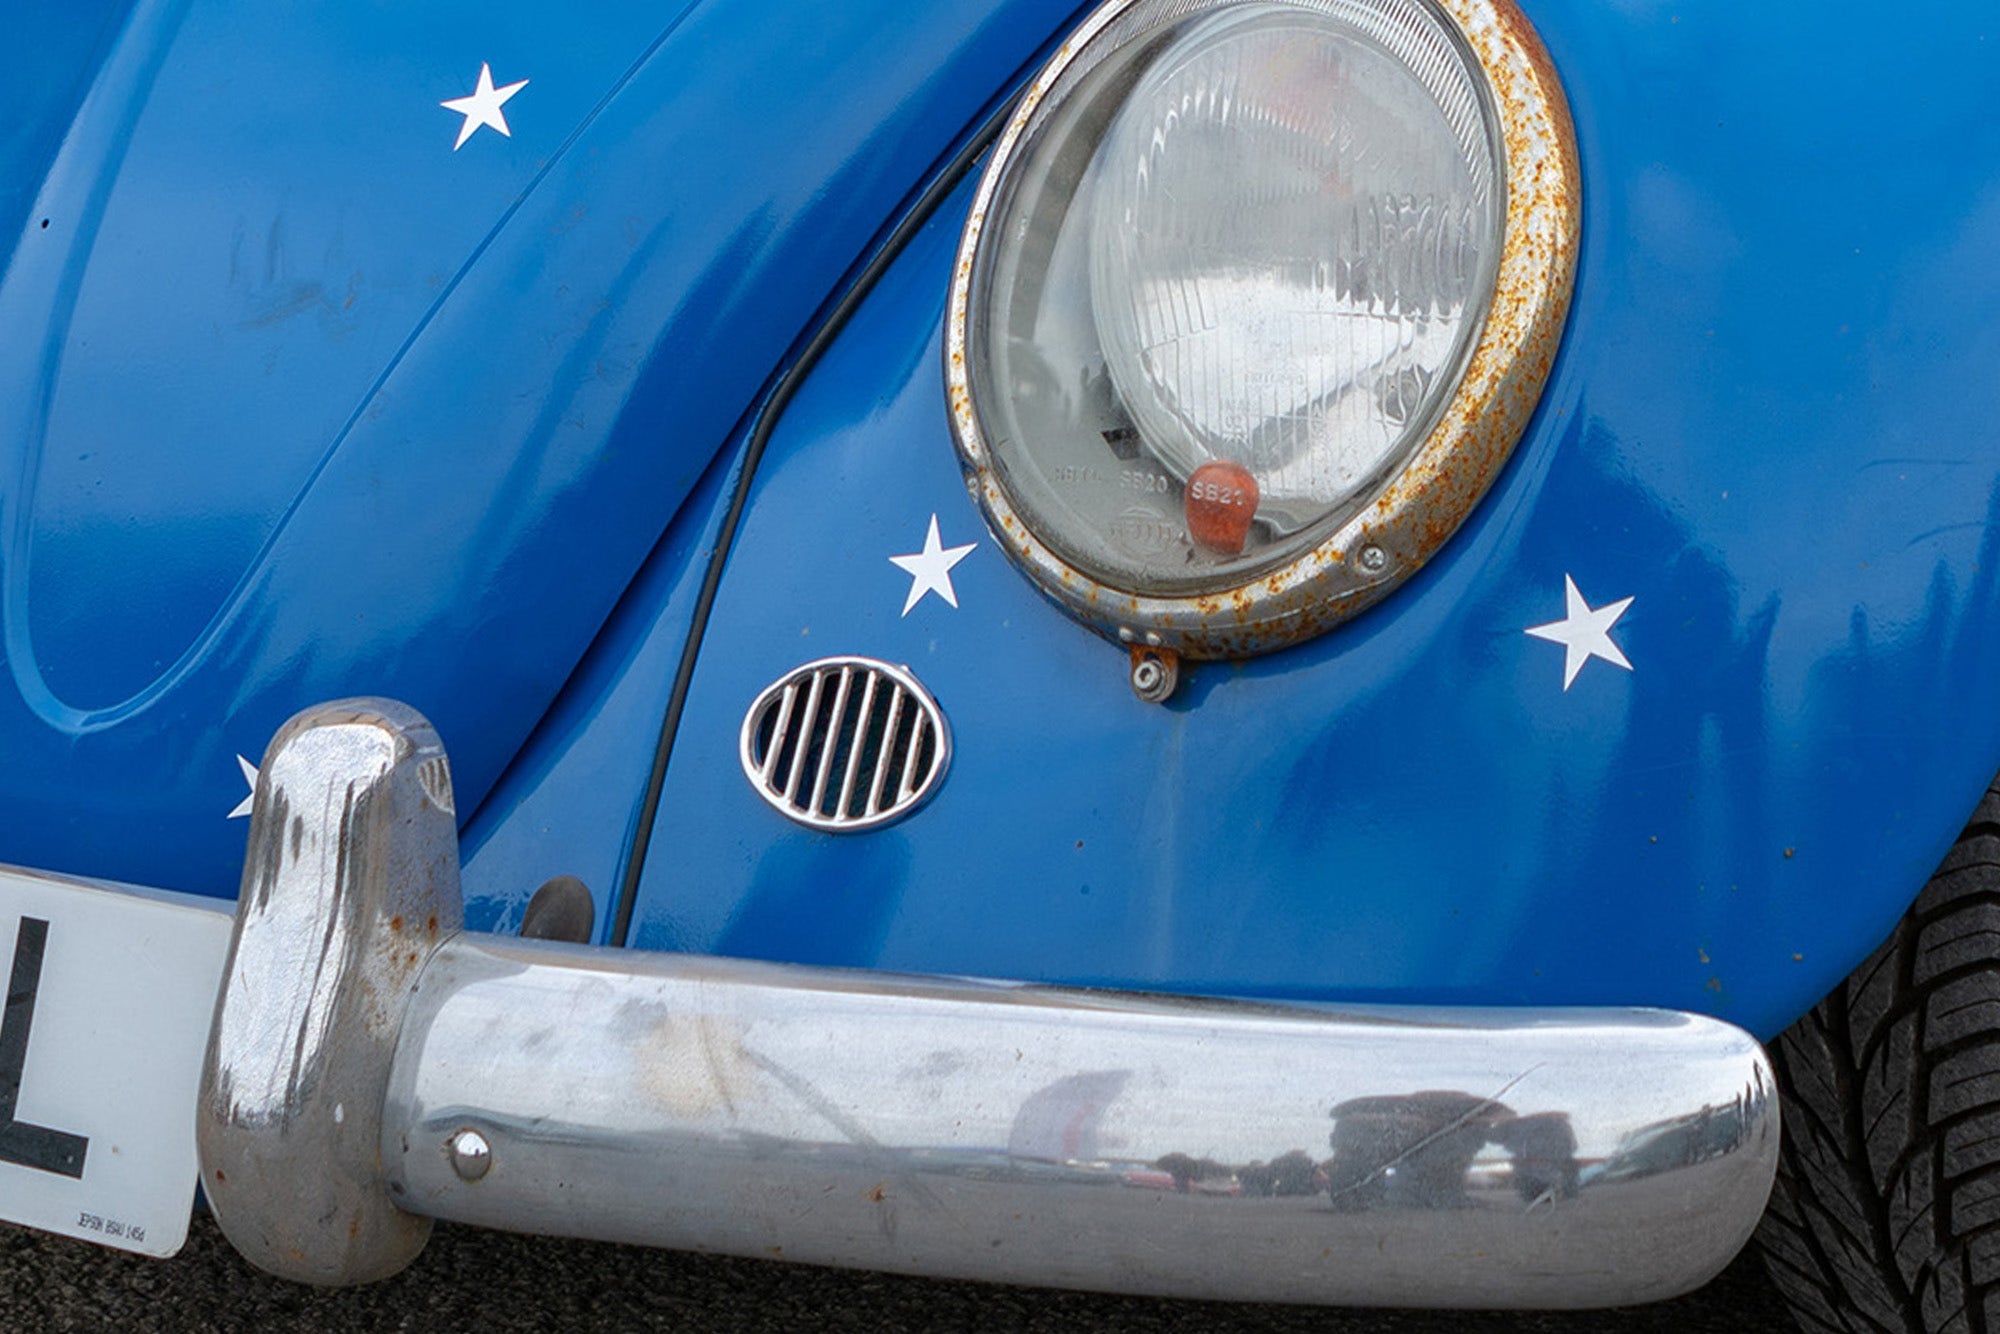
[1155, 673]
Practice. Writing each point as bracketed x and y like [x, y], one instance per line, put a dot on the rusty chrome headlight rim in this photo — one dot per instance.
[1411, 513]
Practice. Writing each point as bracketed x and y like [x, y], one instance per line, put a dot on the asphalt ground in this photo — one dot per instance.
[495, 1283]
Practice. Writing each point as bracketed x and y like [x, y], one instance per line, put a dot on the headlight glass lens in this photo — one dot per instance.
[1231, 280]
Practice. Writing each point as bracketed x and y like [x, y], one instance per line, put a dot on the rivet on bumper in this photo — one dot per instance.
[471, 1155]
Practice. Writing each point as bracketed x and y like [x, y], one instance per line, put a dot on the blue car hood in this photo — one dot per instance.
[313, 385]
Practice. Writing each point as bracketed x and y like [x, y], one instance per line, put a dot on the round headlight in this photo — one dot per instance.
[1255, 299]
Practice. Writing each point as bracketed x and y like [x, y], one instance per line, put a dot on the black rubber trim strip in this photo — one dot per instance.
[760, 436]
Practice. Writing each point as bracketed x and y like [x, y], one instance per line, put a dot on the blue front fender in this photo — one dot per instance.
[302, 399]
[1769, 426]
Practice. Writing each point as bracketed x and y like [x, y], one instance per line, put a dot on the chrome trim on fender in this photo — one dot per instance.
[1177, 1146]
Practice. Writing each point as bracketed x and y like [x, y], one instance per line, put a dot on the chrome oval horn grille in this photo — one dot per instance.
[845, 744]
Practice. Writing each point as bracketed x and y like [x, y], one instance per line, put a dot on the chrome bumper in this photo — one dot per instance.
[372, 1067]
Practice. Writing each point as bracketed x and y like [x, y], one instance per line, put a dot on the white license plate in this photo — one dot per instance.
[108, 1003]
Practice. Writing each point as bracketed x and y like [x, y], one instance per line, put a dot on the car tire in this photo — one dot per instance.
[1886, 1211]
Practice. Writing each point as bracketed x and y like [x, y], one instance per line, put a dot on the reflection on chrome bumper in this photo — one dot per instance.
[372, 1067]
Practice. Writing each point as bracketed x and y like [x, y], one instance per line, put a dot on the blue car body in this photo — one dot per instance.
[301, 399]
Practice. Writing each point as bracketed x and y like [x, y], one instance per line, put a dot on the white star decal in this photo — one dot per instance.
[930, 569]
[1584, 632]
[483, 106]
[250, 777]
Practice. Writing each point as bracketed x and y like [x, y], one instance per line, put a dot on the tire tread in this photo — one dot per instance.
[1886, 1215]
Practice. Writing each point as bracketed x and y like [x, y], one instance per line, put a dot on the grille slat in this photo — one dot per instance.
[875, 752]
[889, 729]
[836, 717]
[863, 723]
[800, 747]
[770, 764]
[908, 783]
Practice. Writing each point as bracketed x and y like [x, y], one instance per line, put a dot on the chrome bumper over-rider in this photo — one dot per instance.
[372, 1066]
